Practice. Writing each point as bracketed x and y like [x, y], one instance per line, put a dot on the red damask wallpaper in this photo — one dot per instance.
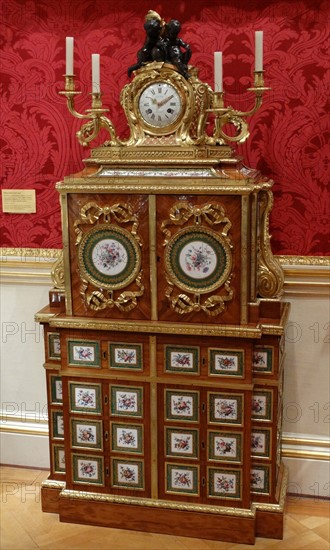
[288, 134]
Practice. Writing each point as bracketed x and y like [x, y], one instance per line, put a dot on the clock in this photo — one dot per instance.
[161, 107]
[159, 102]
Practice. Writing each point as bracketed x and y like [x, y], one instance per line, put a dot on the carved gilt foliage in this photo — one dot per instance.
[270, 273]
[110, 222]
[202, 230]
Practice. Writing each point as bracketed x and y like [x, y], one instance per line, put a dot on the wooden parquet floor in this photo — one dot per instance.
[24, 526]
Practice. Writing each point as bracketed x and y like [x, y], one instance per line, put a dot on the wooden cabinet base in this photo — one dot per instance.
[224, 527]
[269, 525]
[228, 525]
[50, 496]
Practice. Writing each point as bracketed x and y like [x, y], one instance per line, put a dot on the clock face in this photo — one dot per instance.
[160, 104]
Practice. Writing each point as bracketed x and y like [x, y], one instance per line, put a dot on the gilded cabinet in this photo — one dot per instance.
[164, 343]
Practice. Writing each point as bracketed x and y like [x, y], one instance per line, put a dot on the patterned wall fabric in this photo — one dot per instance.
[289, 133]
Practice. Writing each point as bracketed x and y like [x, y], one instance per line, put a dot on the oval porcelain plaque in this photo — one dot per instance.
[109, 257]
[198, 260]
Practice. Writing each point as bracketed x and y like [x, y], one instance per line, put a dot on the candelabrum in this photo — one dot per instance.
[96, 119]
[95, 116]
[229, 115]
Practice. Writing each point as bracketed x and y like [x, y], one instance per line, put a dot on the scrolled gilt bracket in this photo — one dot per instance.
[270, 274]
[57, 274]
[89, 131]
[203, 97]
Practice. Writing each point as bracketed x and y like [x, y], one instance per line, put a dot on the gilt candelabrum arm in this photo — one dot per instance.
[257, 105]
[258, 89]
[229, 115]
[70, 93]
[95, 116]
[70, 97]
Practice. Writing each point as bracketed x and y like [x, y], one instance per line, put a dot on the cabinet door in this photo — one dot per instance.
[204, 444]
[179, 436]
[86, 442]
[199, 252]
[228, 434]
[109, 255]
[108, 447]
[56, 424]
[129, 438]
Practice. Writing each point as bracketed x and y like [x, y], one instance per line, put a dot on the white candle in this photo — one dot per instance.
[258, 50]
[69, 55]
[96, 73]
[218, 72]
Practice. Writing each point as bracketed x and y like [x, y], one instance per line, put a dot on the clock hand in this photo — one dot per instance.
[153, 100]
[164, 101]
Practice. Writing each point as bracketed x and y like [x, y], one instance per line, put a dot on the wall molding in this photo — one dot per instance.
[305, 447]
[306, 275]
[304, 260]
[32, 253]
[23, 423]
[55, 253]
[28, 266]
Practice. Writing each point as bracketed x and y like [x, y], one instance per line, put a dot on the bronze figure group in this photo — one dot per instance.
[162, 44]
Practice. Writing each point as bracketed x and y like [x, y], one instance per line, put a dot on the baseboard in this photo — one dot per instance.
[18, 449]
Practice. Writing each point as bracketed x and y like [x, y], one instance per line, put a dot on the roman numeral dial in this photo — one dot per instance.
[160, 104]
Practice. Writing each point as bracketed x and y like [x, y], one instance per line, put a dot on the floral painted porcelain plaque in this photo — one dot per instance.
[126, 401]
[182, 479]
[109, 257]
[224, 483]
[125, 356]
[181, 405]
[182, 359]
[85, 397]
[127, 474]
[226, 408]
[225, 446]
[198, 260]
[260, 479]
[87, 469]
[84, 353]
[181, 443]
[127, 438]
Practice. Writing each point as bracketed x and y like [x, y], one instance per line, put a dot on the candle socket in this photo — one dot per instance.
[69, 82]
[258, 79]
[218, 101]
[96, 100]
